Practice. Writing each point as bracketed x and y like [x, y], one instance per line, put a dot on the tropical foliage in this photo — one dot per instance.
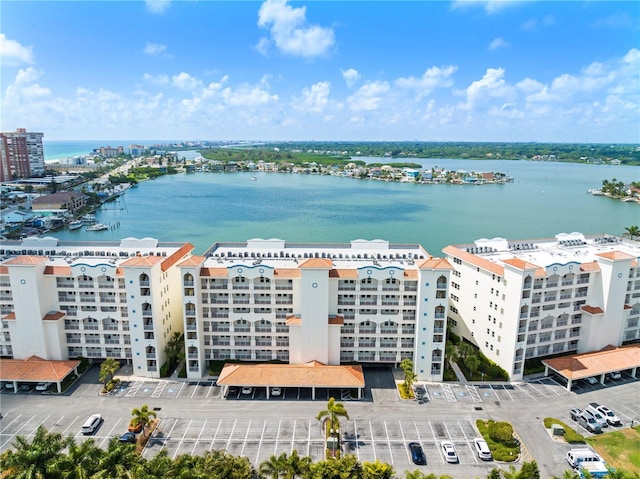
[107, 369]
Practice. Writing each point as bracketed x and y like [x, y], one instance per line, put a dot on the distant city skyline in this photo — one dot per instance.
[275, 70]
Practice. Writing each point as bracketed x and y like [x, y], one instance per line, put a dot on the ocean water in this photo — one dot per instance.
[55, 149]
[545, 199]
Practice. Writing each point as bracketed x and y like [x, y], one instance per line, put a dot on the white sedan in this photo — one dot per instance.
[449, 451]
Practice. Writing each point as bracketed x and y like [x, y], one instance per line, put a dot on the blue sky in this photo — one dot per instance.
[314, 70]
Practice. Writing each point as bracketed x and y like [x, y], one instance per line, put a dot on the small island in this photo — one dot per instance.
[618, 190]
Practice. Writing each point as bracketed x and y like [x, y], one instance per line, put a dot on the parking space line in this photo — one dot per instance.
[404, 441]
[233, 428]
[16, 433]
[626, 407]
[193, 451]
[537, 390]
[9, 425]
[525, 391]
[134, 389]
[355, 432]
[169, 435]
[564, 388]
[264, 426]
[157, 392]
[293, 435]
[181, 439]
[275, 447]
[67, 428]
[468, 443]
[435, 440]
[388, 441]
[494, 392]
[210, 389]
[373, 442]
[548, 387]
[195, 389]
[508, 393]
[246, 436]
[419, 438]
[110, 432]
[448, 393]
[215, 434]
[473, 392]
[180, 390]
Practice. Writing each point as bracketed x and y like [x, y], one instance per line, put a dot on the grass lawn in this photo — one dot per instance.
[620, 449]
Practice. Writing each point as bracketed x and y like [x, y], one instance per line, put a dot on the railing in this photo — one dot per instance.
[147, 313]
[263, 329]
[574, 334]
[368, 302]
[240, 301]
[188, 283]
[388, 344]
[262, 301]
[192, 327]
[88, 300]
[218, 286]
[388, 302]
[85, 284]
[409, 302]
[368, 287]
[581, 294]
[240, 286]
[388, 330]
[148, 327]
[342, 302]
[289, 287]
[261, 286]
[549, 298]
[220, 342]
[536, 300]
[565, 296]
[438, 330]
[582, 280]
[567, 282]
[112, 341]
[219, 329]
[73, 340]
[263, 343]
[92, 340]
[554, 284]
[242, 342]
[110, 327]
[282, 329]
[62, 284]
[365, 330]
[72, 326]
[441, 285]
[408, 287]
[546, 326]
[107, 300]
[439, 316]
[348, 330]
[90, 327]
[391, 288]
[240, 329]
[366, 344]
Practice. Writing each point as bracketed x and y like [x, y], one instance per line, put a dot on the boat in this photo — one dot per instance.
[74, 225]
[88, 218]
[253, 178]
[98, 227]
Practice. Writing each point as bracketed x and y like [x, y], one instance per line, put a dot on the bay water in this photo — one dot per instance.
[544, 199]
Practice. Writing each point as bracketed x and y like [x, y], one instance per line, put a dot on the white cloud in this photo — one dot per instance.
[290, 32]
[158, 79]
[157, 7]
[434, 77]
[23, 87]
[497, 43]
[247, 96]
[314, 99]
[490, 6]
[154, 48]
[351, 76]
[534, 24]
[184, 81]
[492, 85]
[12, 53]
[369, 96]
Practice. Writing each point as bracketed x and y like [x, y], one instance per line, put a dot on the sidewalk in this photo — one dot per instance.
[458, 371]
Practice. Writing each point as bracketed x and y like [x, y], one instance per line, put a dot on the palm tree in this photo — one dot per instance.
[119, 458]
[378, 470]
[274, 466]
[107, 369]
[80, 462]
[632, 231]
[409, 375]
[297, 466]
[32, 459]
[142, 416]
[334, 411]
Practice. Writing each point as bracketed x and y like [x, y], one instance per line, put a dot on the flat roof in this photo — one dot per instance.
[311, 374]
[36, 369]
[607, 360]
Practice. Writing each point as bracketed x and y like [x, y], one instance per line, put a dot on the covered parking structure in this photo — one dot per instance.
[598, 363]
[35, 370]
[313, 375]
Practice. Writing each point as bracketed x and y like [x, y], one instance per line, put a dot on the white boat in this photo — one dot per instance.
[253, 178]
[74, 225]
[98, 227]
[88, 218]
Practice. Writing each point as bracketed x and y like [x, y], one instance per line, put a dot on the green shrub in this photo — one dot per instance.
[183, 371]
[507, 452]
[570, 434]
[501, 432]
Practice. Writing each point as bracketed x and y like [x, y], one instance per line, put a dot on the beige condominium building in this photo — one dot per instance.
[62, 300]
[363, 301]
[518, 300]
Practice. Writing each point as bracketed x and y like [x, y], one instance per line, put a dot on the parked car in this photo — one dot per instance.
[417, 454]
[575, 412]
[589, 423]
[590, 410]
[42, 386]
[592, 380]
[128, 437]
[91, 424]
[247, 390]
[615, 375]
[609, 415]
[482, 449]
[419, 391]
[276, 391]
[135, 427]
[449, 451]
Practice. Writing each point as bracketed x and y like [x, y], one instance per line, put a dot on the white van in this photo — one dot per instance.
[575, 457]
[91, 424]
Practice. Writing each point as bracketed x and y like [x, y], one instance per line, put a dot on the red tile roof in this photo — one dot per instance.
[4, 269]
[192, 261]
[25, 260]
[214, 272]
[609, 359]
[35, 369]
[311, 374]
[521, 264]
[591, 266]
[476, 260]
[435, 263]
[293, 320]
[11, 315]
[53, 316]
[286, 273]
[319, 263]
[592, 309]
[615, 255]
[184, 250]
[58, 270]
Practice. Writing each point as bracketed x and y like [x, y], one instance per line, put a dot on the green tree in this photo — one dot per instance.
[117, 460]
[529, 470]
[80, 462]
[333, 412]
[632, 231]
[174, 350]
[347, 467]
[494, 473]
[275, 466]
[378, 470]
[472, 362]
[107, 369]
[297, 466]
[30, 460]
[409, 375]
[142, 416]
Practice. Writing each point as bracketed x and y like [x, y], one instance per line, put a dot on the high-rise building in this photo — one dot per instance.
[21, 155]
[528, 299]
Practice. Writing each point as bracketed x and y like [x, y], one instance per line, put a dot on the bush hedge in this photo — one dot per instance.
[570, 434]
[507, 451]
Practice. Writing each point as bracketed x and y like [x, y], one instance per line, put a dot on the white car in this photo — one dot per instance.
[247, 390]
[276, 391]
[449, 451]
[609, 415]
[482, 448]
[592, 380]
[42, 386]
[615, 375]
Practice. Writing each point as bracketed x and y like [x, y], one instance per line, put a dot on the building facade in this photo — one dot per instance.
[520, 300]
[21, 155]
[366, 301]
[63, 200]
[62, 300]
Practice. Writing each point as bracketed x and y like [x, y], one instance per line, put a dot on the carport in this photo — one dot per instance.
[597, 363]
[35, 369]
[312, 375]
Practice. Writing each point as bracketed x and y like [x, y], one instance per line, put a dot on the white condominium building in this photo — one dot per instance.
[518, 300]
[366, 301]
[62, 300]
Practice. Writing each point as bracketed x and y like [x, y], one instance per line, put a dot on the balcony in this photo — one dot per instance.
[441, 285]
[147, 313]
[240, 301]
[347, 344]
[240, 286]
[148, 327]
[391, 288]
[90, 327]
[388, 344]
[438, 330]
[192, 327]
[348, 330]
[567, 282]
[61, 284]
[368, 302]
[387, 330]
[553, 284]
[583, 280]
[389, 302]
[261, 286]
[581, 294]
[187, 283]
[367, 343]
[366, 330]
[86, 299]
[263, 342]
[342, 302]
[410, 288]
[537, 299]
[85, 284]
